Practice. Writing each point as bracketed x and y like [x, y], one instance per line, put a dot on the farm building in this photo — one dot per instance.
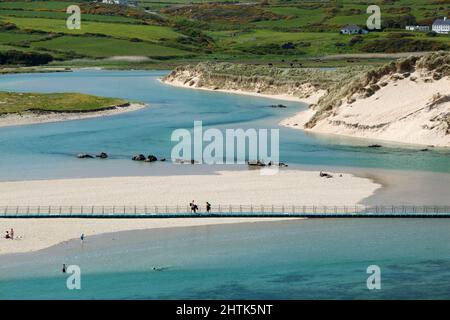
[418, 28]
[441, 26]
[353, 29]
[121, 2]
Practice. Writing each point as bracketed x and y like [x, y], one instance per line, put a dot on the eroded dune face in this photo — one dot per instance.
[227, 77]
[405, 101]
[406, 104]
[415, 109]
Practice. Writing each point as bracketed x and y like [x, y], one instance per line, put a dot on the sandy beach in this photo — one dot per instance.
[35, 118]
[288, 187]
[36, 234]
[313, 98]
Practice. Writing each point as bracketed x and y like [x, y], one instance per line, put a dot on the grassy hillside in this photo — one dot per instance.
[174, 31]
[54, 102]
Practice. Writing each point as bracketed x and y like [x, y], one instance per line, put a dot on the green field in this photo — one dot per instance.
[17, 37]
[276, 31]
[36, 5]
[61, 102]
[63, 16]
[118, 30]
[106, 47]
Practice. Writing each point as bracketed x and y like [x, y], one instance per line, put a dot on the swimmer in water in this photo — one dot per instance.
[159, 268]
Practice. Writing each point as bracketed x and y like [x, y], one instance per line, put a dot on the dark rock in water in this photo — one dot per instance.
[426, 149]
[256, 163]
[375, 146]
[278, 106]
[163, 159]
[139, 157]
[102, 155]
[281, 164]
[151, 158]
[84, 156]
[182, 161]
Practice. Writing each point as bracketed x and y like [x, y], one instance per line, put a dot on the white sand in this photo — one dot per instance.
[288, 187]
[313, 98]
[129, 58]
[247, 187]
[403, 111]
[36, 234]
[34, 118]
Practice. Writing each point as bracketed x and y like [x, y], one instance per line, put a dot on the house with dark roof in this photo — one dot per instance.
[353, 29]
[121, 2]
[441, 26]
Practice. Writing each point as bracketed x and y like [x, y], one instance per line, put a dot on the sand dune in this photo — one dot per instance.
[407, 110]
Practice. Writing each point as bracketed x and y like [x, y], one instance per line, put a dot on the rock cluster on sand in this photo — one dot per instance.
[149, 158]
[101, 155]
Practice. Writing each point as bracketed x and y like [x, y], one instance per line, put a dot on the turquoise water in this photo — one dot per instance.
[304, 259]
[47, 150]
[308, 259]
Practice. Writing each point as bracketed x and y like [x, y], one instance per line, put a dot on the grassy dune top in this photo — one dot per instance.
[320, 78]
[12, 102]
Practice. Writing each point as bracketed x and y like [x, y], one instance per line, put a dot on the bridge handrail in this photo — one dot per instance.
[222, 209]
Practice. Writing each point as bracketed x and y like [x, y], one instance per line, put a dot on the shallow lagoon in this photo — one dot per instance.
[47, 150]
[308, 259]
[304, 259]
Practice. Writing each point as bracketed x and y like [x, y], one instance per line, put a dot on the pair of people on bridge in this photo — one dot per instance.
[194, 207]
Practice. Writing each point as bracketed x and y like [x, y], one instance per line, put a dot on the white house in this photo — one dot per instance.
[441, 26]
[121, 2]
[418, 28]
[353, 29]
